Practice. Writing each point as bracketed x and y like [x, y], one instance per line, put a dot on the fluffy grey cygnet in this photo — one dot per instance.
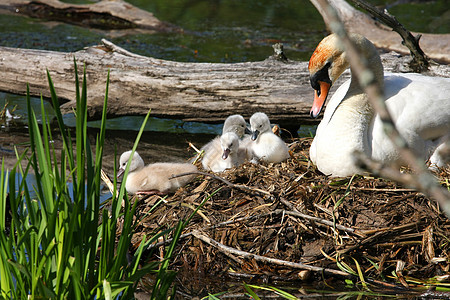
[154, 178]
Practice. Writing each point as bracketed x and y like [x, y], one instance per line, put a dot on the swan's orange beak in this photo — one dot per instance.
[319, 98]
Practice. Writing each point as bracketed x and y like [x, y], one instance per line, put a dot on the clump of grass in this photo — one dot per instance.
[54, 247]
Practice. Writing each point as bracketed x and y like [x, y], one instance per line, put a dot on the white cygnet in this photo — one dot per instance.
[266, 145]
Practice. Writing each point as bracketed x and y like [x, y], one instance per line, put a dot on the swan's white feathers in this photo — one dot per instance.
[267, 147]
[418, 104]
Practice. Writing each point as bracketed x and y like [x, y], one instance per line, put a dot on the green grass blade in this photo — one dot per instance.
[251, 292]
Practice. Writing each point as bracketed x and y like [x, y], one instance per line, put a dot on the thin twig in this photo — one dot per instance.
[379, 233]
[230, 184]
[229, 250]
[275, 212]
[108, 183]
[325, 222]
[420, 61]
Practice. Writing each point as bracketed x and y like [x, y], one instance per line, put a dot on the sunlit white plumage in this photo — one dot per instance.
[266, 145]
[419, 106]
[154, 177]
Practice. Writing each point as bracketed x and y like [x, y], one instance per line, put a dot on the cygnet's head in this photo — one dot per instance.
[229, 142]
[259, 123]
[236, 124]
[136, 162]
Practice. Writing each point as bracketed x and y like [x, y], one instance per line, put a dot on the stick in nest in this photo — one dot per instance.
[230, 184]
[233, 251]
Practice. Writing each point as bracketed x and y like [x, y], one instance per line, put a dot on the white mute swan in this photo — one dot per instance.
[153, 178]
[266, 145]
[419, 106]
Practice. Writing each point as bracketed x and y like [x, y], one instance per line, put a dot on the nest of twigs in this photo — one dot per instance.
[288, 222]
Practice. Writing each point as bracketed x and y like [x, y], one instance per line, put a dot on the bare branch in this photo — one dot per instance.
[230, 184]
[233, 251]
[420, 61]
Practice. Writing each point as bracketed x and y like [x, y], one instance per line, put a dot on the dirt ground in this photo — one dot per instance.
[287, 222]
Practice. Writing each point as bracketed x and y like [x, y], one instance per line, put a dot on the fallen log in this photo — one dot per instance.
[115, 14]
[201, 92]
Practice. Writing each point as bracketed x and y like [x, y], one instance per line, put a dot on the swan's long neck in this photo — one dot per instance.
[355, 112]
[374, 64]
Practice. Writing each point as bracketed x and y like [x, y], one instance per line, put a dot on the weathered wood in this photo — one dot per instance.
[435, 46]
[203, 92]
[104, 14]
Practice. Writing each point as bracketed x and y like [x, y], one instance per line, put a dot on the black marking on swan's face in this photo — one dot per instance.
[321, 75]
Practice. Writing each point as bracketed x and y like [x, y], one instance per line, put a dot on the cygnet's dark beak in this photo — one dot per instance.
[255, 135]
[225, 154]
[120, 172]
[247, 131]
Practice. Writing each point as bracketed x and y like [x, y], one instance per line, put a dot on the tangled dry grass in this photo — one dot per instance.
[288, 222]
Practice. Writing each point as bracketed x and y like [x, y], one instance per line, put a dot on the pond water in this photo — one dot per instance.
[215, 31]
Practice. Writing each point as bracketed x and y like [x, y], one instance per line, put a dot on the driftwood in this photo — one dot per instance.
[104, 14]
[203, 92]
[435, 46]
[119, 14]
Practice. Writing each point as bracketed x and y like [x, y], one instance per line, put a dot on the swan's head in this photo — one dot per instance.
[329, 61]
[326, 64]
[136, 162]
[229, 142]
[236, 124]
[259, 123]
